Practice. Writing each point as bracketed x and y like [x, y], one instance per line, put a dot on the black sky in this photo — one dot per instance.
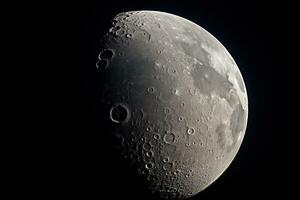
[251, 31]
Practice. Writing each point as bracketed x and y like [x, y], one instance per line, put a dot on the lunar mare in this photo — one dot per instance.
[176, 100]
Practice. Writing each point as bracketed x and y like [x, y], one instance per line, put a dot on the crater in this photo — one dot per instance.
[190, 131]
[119, 113]
[149, 165]
[169, 138]
[101, 65]
[106, 54]
[167, 166]
[147, 146]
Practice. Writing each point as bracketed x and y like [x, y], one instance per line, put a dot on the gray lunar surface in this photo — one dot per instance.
[176, 99]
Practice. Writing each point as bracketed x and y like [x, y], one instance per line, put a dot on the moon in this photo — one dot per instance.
[174, 99]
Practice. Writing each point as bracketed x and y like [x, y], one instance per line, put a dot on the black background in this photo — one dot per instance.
[251, 32]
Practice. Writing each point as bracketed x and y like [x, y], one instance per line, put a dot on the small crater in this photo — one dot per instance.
[180, 118]
[101, 65]
[106, 54]
[151, 89]
[148, 129]
[193, 91]
[172, 71]
[176, 92]
[120, 32]
[118, 113]
[149, 154]
[147, 146]
[129, 35]
[167, 111]
[190, 131]
[121, 53]
[166, 160]
[145, 172]
[149, 165]
[176, 172]
[156, 136]
[167, 166]
[169, 138]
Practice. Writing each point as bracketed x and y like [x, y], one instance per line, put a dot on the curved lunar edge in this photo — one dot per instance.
[175, 99]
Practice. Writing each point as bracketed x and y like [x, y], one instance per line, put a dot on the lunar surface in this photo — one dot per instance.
[175, 101]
